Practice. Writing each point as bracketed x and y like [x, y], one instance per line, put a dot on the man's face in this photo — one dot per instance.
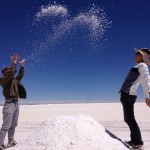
[138, 57]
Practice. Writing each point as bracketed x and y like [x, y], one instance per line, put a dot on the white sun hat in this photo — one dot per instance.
[145, 54]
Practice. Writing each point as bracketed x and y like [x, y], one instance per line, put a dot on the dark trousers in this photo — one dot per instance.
[128, 109]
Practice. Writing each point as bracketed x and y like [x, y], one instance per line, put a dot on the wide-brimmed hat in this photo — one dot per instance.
[145, 52]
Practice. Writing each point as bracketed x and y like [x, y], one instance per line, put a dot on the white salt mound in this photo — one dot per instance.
[78, 132]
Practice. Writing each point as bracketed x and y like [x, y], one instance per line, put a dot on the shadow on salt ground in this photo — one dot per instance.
[114, 137]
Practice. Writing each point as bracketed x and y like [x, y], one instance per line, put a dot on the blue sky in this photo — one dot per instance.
[84, 73]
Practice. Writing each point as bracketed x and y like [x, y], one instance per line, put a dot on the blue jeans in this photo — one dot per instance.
[10, 121]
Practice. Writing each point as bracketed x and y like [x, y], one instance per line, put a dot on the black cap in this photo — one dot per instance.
[5, 70]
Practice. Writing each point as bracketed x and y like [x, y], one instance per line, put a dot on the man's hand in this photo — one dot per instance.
[148, 102]
[22, 62]
[14, 58]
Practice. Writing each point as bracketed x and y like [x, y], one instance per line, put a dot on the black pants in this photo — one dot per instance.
[128, 109]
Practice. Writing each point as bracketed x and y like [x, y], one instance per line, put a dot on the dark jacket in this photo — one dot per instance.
[12, 87]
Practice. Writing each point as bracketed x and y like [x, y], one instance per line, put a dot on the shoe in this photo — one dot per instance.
[11, 143]
[2, 147]
[137, 147]
[128, 143]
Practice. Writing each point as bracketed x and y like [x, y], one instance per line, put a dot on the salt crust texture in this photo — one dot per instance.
[78, 132]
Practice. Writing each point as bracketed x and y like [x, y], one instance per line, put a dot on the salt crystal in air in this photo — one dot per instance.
[52, 10]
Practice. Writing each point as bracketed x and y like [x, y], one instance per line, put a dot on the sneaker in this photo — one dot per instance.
[11, 143]
[2, 147]
[137, 147]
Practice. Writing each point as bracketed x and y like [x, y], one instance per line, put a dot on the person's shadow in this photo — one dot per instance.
[115, 137]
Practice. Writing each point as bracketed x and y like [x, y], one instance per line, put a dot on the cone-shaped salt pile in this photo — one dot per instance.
[71, 133]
